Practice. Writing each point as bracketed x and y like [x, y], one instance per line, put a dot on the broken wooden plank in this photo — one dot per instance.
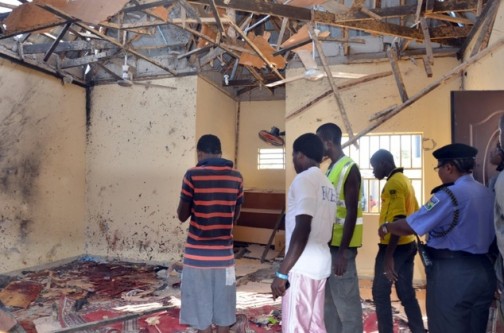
[418, 13]
[427, 66]
[78, 45]
[448, 18]
[370, 13]
[458, 69]
[69, 63]
[7, 5]
[332, 83]
[110, 39]
[427, 40]
[485, 31]
[281, 33]
[476, 27]
[392, 55]
[216, 15]
[341, 86]
[264, 56]
[317, 16]
[382, 113]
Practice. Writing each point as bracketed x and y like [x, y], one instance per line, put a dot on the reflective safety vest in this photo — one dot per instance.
[338, 175]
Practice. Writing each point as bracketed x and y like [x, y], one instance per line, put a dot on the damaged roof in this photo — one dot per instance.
[240, 45]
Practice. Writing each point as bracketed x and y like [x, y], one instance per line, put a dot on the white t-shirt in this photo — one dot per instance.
[311, 193]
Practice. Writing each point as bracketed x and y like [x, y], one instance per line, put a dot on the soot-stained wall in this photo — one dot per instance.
[42, 162]
[141, 141]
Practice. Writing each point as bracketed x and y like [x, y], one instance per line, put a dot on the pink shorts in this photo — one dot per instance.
[303, 305]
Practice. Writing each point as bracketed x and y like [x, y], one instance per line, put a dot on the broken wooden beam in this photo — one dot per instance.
[78, 45]
[341, 86]
[427, 90]
[257, 50]
[427, 40]
[332, 83]
[427, 66]
[111, 40]
[392, 55]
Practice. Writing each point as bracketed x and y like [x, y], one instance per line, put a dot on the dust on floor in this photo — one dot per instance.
[89, 295]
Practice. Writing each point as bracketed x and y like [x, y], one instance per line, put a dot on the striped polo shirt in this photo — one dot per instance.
[214, 189]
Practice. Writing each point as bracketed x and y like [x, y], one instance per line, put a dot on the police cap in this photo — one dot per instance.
[455, 151]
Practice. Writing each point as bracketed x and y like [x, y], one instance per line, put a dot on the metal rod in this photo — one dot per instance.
[257, 23]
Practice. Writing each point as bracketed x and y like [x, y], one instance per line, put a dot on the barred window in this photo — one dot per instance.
[271, 158]
[407, 152]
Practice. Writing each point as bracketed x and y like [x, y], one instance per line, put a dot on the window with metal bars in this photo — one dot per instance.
[271, 158]
[407, 151]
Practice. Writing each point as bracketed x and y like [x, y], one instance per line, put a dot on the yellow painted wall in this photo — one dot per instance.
[430, 116]
[216, 114]
[42, 168]
[141, 141]
[253, 117]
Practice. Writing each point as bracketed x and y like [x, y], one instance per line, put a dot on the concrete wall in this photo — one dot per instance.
[42, 168]
[256, 116]
[430, 116]
[216, 114]
[141, 141]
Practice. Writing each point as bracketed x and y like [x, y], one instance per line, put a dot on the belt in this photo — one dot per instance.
[449, 254]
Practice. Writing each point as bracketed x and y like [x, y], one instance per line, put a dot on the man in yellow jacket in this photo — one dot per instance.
[395, 259]
[343, 309]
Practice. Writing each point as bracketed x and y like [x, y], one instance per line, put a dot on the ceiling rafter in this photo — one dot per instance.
[240, 39]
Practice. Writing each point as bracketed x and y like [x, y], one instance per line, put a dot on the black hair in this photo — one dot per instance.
[310, 145]
[209, 144]
[383, 155]
[331, 132]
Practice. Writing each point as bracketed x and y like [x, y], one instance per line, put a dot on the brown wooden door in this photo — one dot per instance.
[475, 121]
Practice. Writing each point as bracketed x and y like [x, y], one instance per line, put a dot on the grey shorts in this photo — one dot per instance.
[208, 297]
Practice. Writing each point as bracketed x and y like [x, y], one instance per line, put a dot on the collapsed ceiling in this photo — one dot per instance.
[240, 45]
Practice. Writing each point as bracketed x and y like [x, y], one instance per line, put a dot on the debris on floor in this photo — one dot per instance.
[89, 295]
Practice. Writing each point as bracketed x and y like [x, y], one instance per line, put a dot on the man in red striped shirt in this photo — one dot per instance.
[212, 193]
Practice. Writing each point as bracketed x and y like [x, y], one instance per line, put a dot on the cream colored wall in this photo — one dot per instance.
[216, 114]
[141, 141]
[487, 73]
[42, 168]
[256, 116]
[430, 116]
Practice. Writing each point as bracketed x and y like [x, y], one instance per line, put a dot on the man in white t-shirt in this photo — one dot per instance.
[311, 209]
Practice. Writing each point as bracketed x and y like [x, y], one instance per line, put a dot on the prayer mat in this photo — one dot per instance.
[20, 294]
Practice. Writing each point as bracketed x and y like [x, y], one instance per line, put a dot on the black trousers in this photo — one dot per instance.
[460, 290]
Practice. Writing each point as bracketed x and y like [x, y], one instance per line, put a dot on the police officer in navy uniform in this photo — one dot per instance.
[458, 222]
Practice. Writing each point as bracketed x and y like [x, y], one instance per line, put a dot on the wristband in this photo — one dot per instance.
[384, 229]
[281, 276]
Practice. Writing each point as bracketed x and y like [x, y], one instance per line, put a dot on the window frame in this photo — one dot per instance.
[265, 155]
[411, 160]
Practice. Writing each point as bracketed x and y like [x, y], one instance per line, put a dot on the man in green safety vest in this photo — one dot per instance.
[343, 309]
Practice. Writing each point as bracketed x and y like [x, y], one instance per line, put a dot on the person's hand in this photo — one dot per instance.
[389, 270]
[382, 230]
[278, 287]
[340, 263]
